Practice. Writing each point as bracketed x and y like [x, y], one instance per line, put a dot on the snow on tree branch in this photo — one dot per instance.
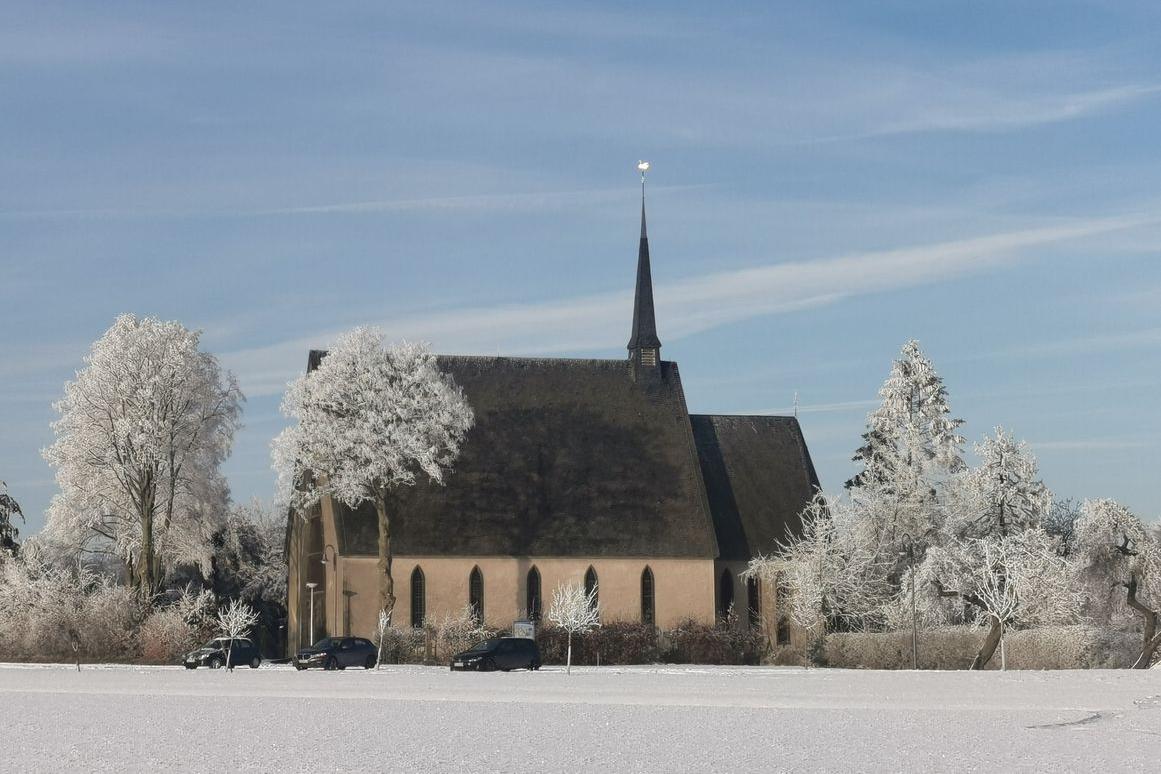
[832, 568]
[369, 419]
[9, 510]
[1000, 496]
[1014, 579]
[1120, 558]
[142, 432]
[574, 611]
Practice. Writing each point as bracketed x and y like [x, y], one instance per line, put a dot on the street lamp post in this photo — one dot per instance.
[909, 552]
[312, 585]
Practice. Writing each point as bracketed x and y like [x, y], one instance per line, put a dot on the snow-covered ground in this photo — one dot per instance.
[606, 719]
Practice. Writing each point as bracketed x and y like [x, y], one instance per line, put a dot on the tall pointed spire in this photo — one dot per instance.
[643, 341]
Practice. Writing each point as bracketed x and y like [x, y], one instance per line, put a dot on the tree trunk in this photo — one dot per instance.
[145, 562]
[386, 581]
[568, 659]
[988, 649]
[1151, 641]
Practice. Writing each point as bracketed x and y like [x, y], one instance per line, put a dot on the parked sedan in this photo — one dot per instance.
[503, 653]
[338, 653]
[219, 652]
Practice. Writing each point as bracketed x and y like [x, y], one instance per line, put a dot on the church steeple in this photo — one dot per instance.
[644, 346]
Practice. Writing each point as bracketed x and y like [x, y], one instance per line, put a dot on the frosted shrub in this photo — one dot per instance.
[402, 646]
[108, 622]
[1072, 647]
[175, 629]
[951, 647]
[456, 633]
[954, 647]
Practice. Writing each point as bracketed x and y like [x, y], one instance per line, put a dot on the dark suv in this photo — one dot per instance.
[504, 653]
[215, 652]
[338, 653]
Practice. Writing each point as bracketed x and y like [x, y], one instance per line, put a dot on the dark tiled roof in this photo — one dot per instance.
[758, 476]
[567, 457]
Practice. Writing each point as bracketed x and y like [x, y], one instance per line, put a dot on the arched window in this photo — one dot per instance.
[591, 585]
[648, 615]
[532, 594]
[418, 597]
[783, 630]
[725, 594]
[753, 603]
[476, 593]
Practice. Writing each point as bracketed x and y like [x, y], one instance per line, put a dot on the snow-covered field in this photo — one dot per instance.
[607, 719]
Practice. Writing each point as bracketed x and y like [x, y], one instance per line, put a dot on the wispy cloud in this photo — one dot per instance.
[515, 202]
[1000, 112]
[1089, 444]
[689, 306]
[1106, 342]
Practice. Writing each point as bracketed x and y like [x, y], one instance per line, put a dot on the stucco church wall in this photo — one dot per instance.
[683, 588]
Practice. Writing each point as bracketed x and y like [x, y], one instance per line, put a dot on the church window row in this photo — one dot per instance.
[534, 600]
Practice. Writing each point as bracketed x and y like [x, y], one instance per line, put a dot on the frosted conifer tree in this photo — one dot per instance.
[574, 611]
[1118, 555]
[370, 420]
[1001, 496]
[142, 434]
[910, 445]
[9, 510]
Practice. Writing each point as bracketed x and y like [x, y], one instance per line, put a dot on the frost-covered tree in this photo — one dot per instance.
[1005, 580]
[235, 622]
[381, 627]
[249, 558]
[911, 443]
[370, 419]
[1001, 496]
[142, 432]
[1115, 551]
[832, 568]
[574, 611]
[9, 510]
[1061, 522]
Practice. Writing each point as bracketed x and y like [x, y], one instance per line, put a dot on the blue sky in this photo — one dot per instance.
[828, 180]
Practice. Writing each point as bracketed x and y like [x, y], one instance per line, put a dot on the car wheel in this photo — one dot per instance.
[255, 662]
[488, 665]
[533, 666]
[300, 667]
[216, 662]
[191, 666]
[331, 664]
[370, 663]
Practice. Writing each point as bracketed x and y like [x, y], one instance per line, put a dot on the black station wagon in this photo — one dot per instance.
[215, 652]
[504, 653]
[338, 653]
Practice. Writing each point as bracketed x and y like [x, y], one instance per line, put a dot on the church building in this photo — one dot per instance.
[585, 471]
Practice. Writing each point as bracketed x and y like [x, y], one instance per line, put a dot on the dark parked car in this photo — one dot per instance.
[338, 653]
[504, 653]
[215, 652]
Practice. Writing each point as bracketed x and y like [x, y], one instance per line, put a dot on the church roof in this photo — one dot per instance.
[567, 457]
[758, 476]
